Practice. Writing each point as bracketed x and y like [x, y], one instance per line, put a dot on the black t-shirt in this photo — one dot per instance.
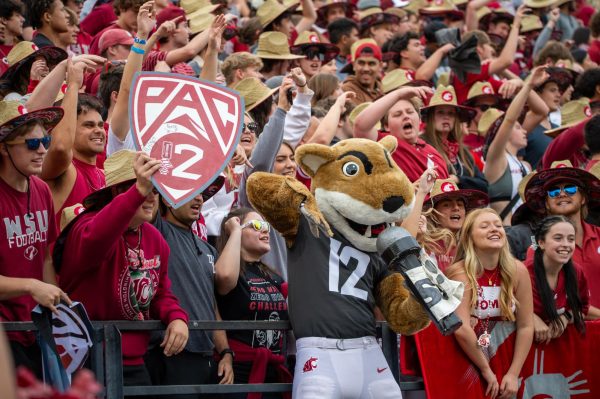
[257, 296]
[331, 285]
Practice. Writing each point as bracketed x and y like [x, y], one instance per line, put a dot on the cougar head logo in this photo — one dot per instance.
[358, 187]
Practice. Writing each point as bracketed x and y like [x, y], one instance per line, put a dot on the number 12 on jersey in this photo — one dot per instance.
[337, 259]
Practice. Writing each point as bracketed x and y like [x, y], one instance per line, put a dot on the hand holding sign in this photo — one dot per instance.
[189, 130]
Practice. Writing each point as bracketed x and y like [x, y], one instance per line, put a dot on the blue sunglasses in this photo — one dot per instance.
[570, 190]
[33, 144]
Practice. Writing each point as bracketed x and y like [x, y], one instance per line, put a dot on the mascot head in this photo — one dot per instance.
[358, 187]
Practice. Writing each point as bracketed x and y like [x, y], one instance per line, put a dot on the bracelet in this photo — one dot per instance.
[227, 351]
[138, 50]
[139, 41]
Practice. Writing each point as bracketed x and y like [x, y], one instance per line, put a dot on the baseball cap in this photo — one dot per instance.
[112, 37]
[169, 13]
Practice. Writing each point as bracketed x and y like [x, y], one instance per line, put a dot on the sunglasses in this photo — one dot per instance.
[252, 126]
[570, 190]
[33, 144]
[258, 225]
[315, 52]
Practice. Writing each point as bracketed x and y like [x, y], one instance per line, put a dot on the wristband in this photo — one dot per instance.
[138, 50]
[226, 351]
[139, 41]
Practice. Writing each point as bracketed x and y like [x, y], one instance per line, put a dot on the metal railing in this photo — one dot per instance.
[106, 357]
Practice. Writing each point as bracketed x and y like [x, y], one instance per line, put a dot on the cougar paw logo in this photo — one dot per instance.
[551, 385]
[192, 126]
[486, 90]
[310, 365]
[447, 187]
[587, 111]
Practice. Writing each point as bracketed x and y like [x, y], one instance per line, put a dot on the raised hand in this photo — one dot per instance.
[144, 167]
[286, 85]
[215, 33]
[146, 19]
[39, 70]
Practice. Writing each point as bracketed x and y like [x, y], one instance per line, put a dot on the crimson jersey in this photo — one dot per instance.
[331, 285]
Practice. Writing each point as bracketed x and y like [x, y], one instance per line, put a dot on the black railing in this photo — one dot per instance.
[106, 357]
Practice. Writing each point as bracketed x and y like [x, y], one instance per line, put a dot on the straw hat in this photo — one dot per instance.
[561, 172]
[560, 75]
[415, 5]
[275, 46]
[200, 21]
[118, 169]
[190, 6]
[70, 213]
[531, 22]
[376, 16]
[399, 12]
[493, 15]
[253, 91]
[14, 114]
[307, 40]
[270, 10]
[442, 7]
[480, 90]
[523, 212]
[539, 3]
[571, 114]
[595, 170]
[401, 77]
[492, 118]
[445, 95]
[24, 52]
[357, 110]
[445, 189]
[322, 11]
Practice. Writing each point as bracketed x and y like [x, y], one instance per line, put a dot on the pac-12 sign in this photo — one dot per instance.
[192, 126]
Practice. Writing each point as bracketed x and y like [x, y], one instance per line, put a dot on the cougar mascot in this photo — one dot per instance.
[336, 278]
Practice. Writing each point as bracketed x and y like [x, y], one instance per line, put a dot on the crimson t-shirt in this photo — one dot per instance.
[23, 245]
[462, 88]
[560, 293]
[412, 158]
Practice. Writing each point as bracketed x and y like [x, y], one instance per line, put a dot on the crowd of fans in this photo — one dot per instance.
[495, 106]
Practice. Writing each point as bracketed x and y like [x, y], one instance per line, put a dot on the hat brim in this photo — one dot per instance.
[322, 12]
[563, 77]
[328, 49]
[470, 101]
[53, 56]
[272, 18]
[48, 117]
[213, 188]
[465, 114]
[439, 12]
[472, 198]
[535, 191]
[104, 195]
[269, 56]
[542, 4]
[263, 98]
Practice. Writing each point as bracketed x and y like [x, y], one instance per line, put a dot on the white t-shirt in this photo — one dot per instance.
[114, 144]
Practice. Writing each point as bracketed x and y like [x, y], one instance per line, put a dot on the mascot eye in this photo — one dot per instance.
[350, 169]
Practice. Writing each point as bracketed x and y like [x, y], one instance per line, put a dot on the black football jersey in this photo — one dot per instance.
[331, 284]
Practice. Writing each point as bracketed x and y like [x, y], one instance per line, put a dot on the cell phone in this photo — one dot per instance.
[290, 95]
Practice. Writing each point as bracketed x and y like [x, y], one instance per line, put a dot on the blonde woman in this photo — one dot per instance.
[491, 275]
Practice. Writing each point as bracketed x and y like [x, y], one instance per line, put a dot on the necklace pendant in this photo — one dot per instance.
[484, 339]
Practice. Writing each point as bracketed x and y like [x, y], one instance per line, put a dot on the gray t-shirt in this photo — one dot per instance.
[191, 270]
[331, 285]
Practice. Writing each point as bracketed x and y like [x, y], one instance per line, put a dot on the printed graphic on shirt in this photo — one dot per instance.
[265, 297]
[26, 231]
[138, 285]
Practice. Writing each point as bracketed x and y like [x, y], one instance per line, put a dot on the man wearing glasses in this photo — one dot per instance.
[27, 275]
[568, 191]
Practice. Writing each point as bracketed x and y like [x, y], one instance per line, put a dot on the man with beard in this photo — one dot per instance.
[366, 64]
[567, 191]
[70, 165]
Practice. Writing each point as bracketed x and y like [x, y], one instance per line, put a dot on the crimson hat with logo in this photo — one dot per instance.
[446, 189]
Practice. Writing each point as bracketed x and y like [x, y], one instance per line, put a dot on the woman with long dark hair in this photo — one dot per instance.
[560, 292]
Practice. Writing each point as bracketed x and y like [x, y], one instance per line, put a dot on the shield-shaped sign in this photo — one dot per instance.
[191, 125]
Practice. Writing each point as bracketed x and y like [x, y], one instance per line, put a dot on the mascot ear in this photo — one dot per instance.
[311, 157]
[389, 143]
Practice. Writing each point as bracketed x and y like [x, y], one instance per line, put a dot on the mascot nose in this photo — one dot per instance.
[392, 204]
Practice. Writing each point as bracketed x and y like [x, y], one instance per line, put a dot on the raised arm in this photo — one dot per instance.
[309, 16]
[329, 124]
[471, 21]
[427, 69]
[227, 268]
[60, 153]
[120, 119]
[368, 118]
[298, 117]
[546, 33]
[211, 62]
[495, 162]
[190, 50]
[507, 56]
[424, 186]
